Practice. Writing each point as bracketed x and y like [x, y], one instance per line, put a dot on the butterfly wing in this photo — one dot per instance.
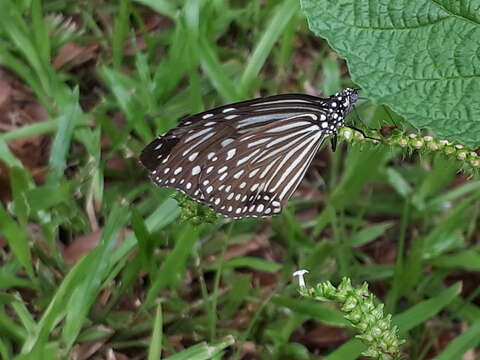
[261, 169]
[243, 159]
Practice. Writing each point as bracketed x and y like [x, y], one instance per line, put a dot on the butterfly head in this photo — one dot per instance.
[340, 103]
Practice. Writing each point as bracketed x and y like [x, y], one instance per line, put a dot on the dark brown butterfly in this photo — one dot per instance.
[246, 159]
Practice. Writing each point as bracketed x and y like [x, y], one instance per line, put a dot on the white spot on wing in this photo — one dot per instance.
[289, 126]
[253, 173]
[200, 133]
[258, 142]
[238, 174]
[226, 142]
[231, 153]
[196, 170]
[222, 169]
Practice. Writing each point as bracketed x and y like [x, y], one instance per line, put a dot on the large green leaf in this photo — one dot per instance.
[420, 57]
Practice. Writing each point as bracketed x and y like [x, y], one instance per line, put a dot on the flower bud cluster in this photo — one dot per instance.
[416, 142]
[193, 212]
[358, 305]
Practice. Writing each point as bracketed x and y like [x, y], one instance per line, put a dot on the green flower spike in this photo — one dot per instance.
[414, 142]
[193, 212]
[360, 308]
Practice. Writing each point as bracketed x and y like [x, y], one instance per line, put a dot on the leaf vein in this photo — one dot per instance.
[458, 16]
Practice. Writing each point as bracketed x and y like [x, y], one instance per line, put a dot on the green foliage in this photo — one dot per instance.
[417, 57]
[396, 213]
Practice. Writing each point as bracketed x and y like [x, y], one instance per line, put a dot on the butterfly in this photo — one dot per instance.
[247, 158]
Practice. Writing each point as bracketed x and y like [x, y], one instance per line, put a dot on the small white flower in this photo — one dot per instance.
[348, 134]
[462, 155]
[300, 274]
[418, 144]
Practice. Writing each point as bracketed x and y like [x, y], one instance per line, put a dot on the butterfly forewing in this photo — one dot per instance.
[244, 159]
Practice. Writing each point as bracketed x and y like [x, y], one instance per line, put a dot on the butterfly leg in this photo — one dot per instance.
[333, 141]
[362, 132]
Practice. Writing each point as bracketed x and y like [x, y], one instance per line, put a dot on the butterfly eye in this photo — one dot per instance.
[245, 159]
[354, 97]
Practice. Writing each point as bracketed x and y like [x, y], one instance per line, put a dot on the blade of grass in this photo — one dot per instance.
[39, 128]
[369, 233]
[19, 34]
[120, 32]
[40, 31]
[204, 351]
[69, 112]
[214, 70]
[467, 259]
[17, 239]
[164, 215]
[272, 33]
[438, 240]
[23, 314]
[361, 167]
[163, 7]
[312, 309]
[173, 265]
[470, 339]
[248, 262]
[142, 236]
[10, 329]
[88, 288]
[25, 72]
[58, 306]
[155, 348]
[396, 283]
[5, 349]
[424, 310]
